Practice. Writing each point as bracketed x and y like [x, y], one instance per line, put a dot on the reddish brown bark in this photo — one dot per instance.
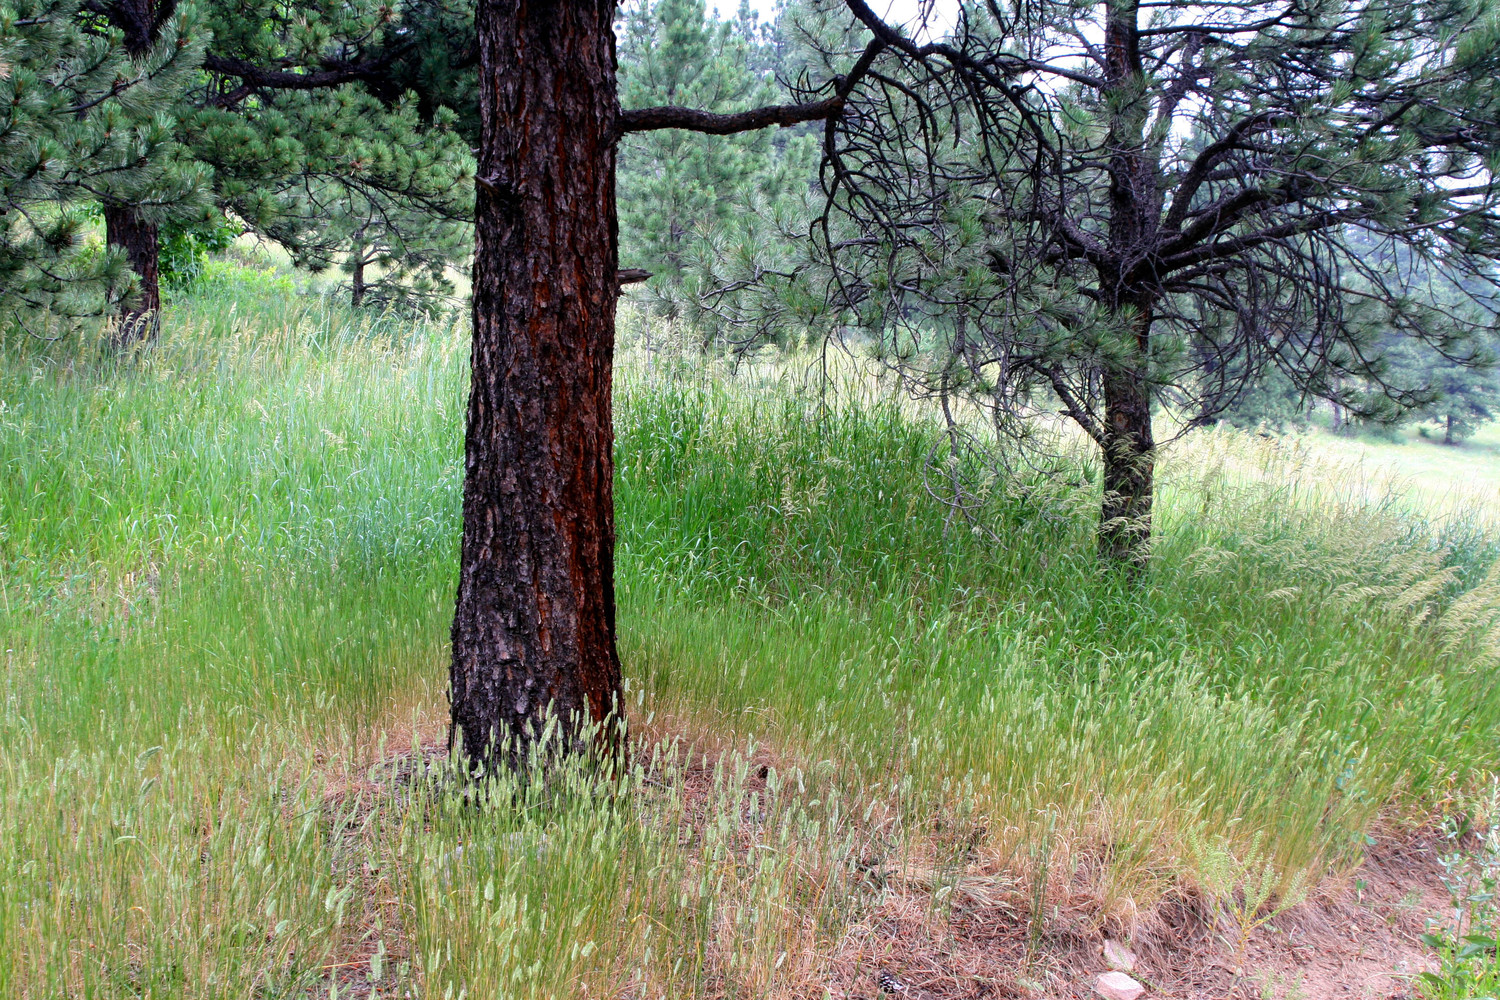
[534, 628]
[127, 229]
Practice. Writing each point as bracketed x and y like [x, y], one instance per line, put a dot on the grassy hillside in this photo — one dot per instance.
[228, 569]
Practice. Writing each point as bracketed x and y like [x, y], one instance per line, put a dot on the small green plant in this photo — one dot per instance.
[1243, 885]
[1468, 950]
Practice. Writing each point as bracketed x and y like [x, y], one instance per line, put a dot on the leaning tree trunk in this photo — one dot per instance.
[534, 630]
[127, 229]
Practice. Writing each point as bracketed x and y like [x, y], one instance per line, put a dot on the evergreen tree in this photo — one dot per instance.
[1105, 206]
[688, 199]
[83, 119]
[384, 197]
[1467, 397]
[294, 104]
[1459, 397]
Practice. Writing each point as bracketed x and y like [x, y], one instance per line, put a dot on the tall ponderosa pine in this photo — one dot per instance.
[1129, 203]
[83, 120]
[534, 627]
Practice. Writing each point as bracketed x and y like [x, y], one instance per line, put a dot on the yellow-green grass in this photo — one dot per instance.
[1462, 478]
[228, 567]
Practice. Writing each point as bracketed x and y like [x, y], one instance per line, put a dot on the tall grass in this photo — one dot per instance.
[228, 567]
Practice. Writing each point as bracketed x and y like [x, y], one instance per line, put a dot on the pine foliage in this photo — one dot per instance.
[80, 121]
[690, 203]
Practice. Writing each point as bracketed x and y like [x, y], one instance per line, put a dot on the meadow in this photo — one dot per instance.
[228, 565]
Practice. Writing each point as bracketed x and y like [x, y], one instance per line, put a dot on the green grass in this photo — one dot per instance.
[228, 569]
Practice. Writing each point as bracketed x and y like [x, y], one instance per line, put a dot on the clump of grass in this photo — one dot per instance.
[228, 565]
[1468, 946]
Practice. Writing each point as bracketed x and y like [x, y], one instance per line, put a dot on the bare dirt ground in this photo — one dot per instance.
[1358, 939]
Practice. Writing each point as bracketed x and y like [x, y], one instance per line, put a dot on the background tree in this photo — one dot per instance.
[288, 97]
[685, 196]
[1461, 397]
[381, 194]
[1468, 397]
[82, 120]
[1125, 204]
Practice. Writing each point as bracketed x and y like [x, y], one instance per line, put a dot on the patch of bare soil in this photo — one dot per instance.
[1358, 939]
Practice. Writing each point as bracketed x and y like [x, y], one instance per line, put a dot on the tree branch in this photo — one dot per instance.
[693, 120]
[333, 74]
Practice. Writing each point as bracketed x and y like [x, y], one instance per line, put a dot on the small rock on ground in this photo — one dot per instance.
[1118, 986]
[1118, 957]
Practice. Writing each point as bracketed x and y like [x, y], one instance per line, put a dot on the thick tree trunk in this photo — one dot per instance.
[126, 228]
[534, 629]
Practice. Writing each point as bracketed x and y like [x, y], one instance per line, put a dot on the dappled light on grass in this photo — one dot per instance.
[229, 566]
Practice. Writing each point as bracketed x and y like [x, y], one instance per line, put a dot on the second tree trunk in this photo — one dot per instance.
[1129, 471]
[125, 227]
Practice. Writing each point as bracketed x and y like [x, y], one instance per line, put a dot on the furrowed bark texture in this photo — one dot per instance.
[535, 619]
[126, 228]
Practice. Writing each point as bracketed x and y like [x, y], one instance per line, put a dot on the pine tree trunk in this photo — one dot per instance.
[1129, 446]
[1129, 471]
[534, 628]
[357, 279]
[1448, 433]
[127, 229]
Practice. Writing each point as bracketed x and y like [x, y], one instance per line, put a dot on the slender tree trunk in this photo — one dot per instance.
[1129, 448]
[1135, 208]
[1129, 472]
[1448, 432]
[534, 628]
[357, 279]
[127, 229]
